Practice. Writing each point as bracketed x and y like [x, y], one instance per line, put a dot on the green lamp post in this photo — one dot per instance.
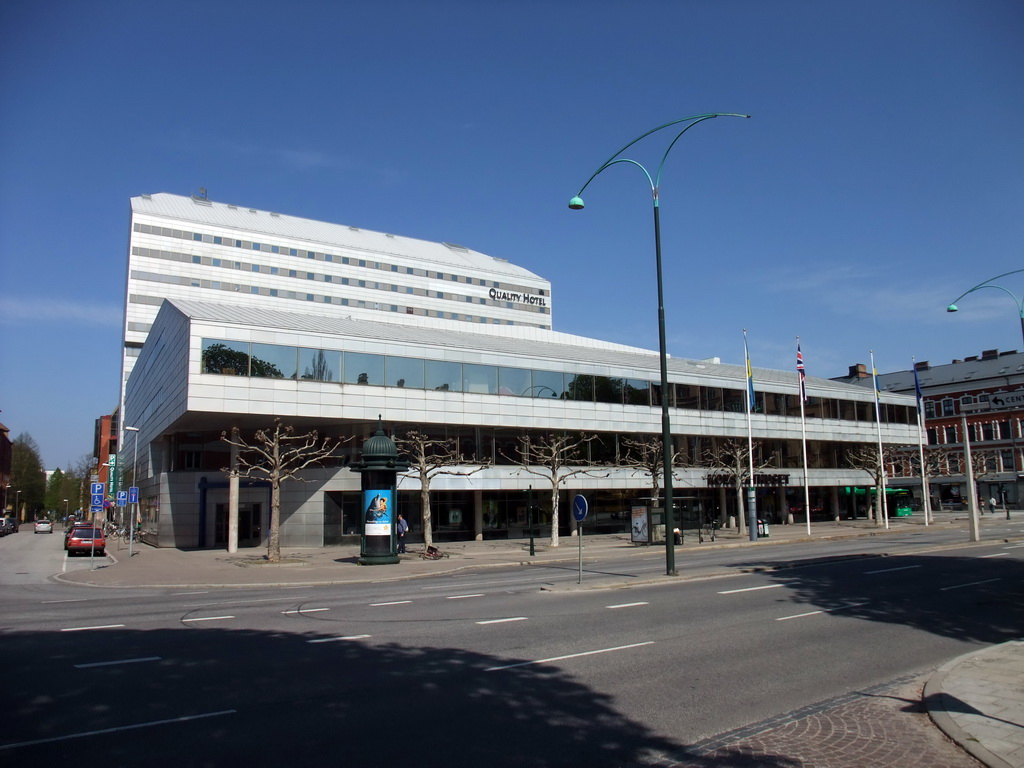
[576, 203]
[991, 284]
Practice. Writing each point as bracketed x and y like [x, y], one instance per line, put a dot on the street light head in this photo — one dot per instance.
[576, 203]
[951, 308]
[131, 429]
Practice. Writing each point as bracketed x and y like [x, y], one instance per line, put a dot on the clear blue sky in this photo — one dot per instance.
[882, 173]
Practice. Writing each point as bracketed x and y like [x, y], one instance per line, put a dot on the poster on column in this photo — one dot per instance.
[379, 511]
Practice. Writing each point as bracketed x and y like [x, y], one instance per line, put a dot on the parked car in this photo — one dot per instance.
[86, 540]
[71, 529]
[10, 525]
[44, 526]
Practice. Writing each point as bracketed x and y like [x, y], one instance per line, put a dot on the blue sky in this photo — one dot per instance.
[881, 175]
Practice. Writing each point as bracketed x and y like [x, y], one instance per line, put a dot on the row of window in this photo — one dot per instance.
[329, 257]
[236, 358]
[978, 431]
[947, 405]
[502, 447]
[390, 288]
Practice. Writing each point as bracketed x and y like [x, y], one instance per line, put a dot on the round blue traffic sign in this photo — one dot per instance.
[579, 507]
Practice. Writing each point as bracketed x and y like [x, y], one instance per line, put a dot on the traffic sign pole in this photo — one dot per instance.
[579, 511]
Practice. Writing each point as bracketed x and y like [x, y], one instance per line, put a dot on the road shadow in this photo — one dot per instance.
[212, 697]
[979, 599]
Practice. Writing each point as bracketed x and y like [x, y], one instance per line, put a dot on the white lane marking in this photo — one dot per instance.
[751, 589]
[75, 600]
[305, 610]
[471, 584]
[823, 610]
[114, 663]
[463, 597]
[335, 639]
[393, 602]
[997, 554]
[503, 621]
[210, 618]
[182, 719]
[890, 570]
[625, 605]
[1015, 546]
[238, 602]
[570, 656]
[203, 592]
[970, 584]
[83, 629]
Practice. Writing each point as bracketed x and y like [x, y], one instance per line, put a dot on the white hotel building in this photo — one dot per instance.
[236, 316]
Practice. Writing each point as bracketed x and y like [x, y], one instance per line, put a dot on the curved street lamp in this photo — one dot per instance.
[576, 203]
[990, 284]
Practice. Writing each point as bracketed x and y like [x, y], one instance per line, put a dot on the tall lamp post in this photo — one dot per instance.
[990, 283]
[135, 483]
[65, 509]
[576, 204]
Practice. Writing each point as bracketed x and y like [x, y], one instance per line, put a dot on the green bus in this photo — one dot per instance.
[898, 501]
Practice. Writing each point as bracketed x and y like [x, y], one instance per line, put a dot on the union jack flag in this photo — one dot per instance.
[801, 372]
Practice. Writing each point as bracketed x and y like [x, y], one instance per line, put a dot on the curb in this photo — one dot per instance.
[938, 702]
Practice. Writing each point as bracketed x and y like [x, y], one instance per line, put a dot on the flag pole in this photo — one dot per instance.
[803, 431]
[881, 455]
[751, 493]
[926, 494]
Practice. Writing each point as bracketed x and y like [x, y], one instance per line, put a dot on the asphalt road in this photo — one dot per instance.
[494, 667]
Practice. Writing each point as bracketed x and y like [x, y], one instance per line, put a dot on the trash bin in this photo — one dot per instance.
[762, 528]
[677, 535]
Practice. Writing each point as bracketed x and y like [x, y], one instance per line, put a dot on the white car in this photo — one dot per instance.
[44, 526]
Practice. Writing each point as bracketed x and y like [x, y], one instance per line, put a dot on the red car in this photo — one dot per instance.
[86, 540]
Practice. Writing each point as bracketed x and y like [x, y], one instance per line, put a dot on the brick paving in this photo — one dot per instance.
[879, 727]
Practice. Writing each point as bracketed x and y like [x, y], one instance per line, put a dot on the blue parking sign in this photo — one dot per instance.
[97, 488]
[122, 498]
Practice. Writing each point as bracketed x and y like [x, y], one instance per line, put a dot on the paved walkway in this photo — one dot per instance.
[976, 700]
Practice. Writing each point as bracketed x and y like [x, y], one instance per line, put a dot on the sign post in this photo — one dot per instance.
[579, 511]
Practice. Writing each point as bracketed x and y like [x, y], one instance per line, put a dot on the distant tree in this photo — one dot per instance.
[320, 370]
[54, 498]
[27, 476]
[76, 482]
[429, 457]
[277, 455]
[556, 457]
[732, 458]
[645, 454]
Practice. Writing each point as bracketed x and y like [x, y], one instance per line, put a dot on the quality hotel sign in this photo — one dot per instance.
[521, 298]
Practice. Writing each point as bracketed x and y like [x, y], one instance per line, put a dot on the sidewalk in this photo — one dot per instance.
[977, 700]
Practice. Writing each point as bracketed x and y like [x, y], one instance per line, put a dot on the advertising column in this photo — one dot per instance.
[379, 469]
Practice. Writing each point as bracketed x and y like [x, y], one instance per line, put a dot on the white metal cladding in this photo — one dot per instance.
[250, 220]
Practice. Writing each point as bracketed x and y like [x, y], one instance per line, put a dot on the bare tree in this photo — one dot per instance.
[645, 454]
[277, 455]
[732, 458]
[865, 457]
[556, 458]
[429, 457]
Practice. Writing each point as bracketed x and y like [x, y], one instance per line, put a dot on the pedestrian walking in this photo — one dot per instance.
[992, 506]
[403, 528]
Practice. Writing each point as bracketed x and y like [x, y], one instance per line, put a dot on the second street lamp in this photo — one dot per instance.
[576, 203]
[991, 284]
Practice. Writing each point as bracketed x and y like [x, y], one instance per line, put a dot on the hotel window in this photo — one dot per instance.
[948, 407]
[197, 260]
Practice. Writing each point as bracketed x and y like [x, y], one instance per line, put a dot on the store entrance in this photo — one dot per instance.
[250, 525]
